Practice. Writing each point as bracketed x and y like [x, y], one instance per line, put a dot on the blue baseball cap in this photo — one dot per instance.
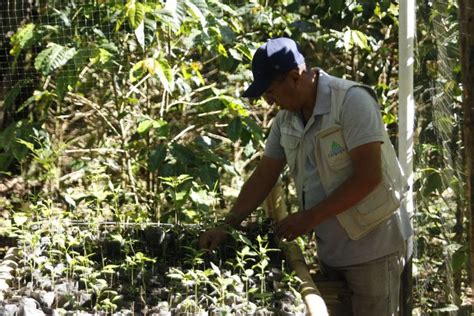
[277, 56]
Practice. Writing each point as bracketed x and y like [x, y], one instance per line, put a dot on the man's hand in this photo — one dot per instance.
[366, 175]
[295, 225]
[212, 238]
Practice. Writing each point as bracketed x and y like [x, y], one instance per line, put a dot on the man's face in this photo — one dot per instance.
[283, 93]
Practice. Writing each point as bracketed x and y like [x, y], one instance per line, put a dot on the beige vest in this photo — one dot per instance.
[335, 167]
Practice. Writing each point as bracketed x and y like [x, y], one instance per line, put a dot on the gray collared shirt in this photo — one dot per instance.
[361, 124]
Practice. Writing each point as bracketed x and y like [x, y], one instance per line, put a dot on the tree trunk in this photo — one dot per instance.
[466, 22]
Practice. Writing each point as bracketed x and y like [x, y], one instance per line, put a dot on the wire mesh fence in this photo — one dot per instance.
[39, 37]
[13, 14]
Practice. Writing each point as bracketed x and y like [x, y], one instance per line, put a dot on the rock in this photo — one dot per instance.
[5, 269]
[29, 302]
[85, 298]
[124, 312]
[26, 310]
[4, 285]
[5, 275]
[62, 287]
[62, 312]
[9, 310]
[47, 298]
[10, 263]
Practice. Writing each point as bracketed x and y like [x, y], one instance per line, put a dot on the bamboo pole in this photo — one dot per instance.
[315, 304]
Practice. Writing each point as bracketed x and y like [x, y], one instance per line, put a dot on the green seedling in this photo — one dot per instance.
[221, 283]
[191, 279]
[262, 252]
[244, 258]
[177, 192]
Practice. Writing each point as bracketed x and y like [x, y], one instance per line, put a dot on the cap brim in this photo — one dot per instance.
[256, 89]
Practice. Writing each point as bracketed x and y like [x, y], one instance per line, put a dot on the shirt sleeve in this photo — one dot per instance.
[273, 148]
[361, 119]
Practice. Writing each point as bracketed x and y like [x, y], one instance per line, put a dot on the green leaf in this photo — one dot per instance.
[223, 7]
[253, 128]
[221, 49]
[67, 79]
[15, 91]
[157, 157]
[245, 240]
[135, 13]
[197, 13]
[202, 197]
[53, 57]
[140, 34]
[145, 125]
[100, 56]
[20, 218]
[175, 276]
[235, 54]
[244, 50]
[215, 268]
[234, 129]
[7, 136]
[153, 67]
[23, 38]
[234, 105]
[28, 145]
[70, 200]
[138, 71]
[165, 75]
[359, 39]
[433, 183]
[336, 5]
[459, 259]
[5, 161]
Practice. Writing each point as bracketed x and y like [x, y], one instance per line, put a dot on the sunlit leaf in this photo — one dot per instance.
[197, 13]
[359, 39]
[22, 39]
[53, 57]
[221, 49]
[165, 75]
[135, 13]
[140, 34]
[20, 218]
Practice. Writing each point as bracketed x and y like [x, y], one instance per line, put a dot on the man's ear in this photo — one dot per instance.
[294, 74]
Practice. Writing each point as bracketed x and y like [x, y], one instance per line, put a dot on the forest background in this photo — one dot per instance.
[130, 111]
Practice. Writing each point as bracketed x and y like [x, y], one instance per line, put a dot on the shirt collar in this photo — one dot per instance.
[323, 98]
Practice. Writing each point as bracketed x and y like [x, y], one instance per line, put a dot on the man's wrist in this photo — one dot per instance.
[232, 220]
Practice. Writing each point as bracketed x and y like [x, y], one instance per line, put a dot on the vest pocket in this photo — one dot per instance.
[373, 210]
[290, 145]
[333, 148]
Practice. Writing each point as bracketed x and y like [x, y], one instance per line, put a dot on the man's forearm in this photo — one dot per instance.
[253, 193]
[366, 176]
[255, 190]
[352, 191]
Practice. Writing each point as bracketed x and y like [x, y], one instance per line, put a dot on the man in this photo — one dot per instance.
[348, 181]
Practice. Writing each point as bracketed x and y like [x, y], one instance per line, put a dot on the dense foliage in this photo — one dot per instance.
[134, 114]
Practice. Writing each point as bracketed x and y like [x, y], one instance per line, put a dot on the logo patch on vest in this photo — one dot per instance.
[336, 150]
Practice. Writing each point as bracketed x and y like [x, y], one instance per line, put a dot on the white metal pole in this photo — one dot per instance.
[407, 22]
[406, 99]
